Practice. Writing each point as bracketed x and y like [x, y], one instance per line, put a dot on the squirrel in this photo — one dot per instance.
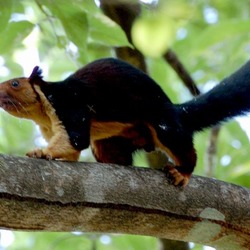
[117, 109]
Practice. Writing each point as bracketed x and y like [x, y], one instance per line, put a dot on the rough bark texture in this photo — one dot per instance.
[60, 196]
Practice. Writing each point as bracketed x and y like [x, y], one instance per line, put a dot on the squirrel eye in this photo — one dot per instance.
[15, 84]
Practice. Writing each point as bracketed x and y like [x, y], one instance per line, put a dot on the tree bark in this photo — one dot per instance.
[92, 197]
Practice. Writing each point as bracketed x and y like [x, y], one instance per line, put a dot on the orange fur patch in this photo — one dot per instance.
[163, 148]
[53, 130]
[26, 101]
[103, 130]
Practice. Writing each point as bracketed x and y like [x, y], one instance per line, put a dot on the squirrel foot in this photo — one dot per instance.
[71, 155]
[39, 153]
[176, 177]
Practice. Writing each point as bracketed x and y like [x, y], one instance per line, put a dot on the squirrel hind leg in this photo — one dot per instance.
[177, 175]
[116, 149]
[181, 150]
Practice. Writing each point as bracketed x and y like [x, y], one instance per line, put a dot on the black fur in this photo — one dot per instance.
[113, 90]
[228, 99]
[108, 90]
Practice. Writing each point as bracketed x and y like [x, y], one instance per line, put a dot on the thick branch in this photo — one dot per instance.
[94, 197]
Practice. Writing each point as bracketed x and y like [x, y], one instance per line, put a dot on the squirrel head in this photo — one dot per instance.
[19, 96]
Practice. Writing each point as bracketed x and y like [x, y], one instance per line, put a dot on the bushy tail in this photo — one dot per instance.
[228, 99]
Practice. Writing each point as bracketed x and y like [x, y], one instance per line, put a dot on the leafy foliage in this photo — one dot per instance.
[211, 39]
[61, 241]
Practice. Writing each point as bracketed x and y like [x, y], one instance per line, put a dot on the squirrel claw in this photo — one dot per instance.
[177, 178]
[36, 153]
[39, 153]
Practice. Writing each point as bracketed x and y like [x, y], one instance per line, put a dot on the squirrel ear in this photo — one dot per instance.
[36, 74]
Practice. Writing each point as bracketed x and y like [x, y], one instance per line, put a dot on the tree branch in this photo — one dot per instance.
[124, 13]
[60, 196]
[211, 151]
[173, 60]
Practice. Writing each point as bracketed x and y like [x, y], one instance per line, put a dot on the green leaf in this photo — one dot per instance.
[16, 134]
[106, 32]
[13, 36]
[49, 240]
[96, 51]
[5, 13]
[219, 32]
[73, 19]
[76, 28]
[15, 68]
[90, 6]
[134, 242]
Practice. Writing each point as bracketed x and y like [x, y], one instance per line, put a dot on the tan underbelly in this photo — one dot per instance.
[102, 130]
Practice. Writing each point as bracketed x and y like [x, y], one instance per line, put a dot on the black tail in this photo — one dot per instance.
[230, 98]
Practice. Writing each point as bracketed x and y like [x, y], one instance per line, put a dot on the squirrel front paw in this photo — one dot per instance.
[49, 154]
[39, 153]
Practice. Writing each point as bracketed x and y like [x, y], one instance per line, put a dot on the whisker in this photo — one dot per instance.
[14, 105]
[23, 108]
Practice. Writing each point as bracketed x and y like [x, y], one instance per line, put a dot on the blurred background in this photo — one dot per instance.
[209, 38]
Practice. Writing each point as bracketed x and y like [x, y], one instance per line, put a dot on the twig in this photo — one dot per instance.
[179, 68]
[49, 18]
[211, 152]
